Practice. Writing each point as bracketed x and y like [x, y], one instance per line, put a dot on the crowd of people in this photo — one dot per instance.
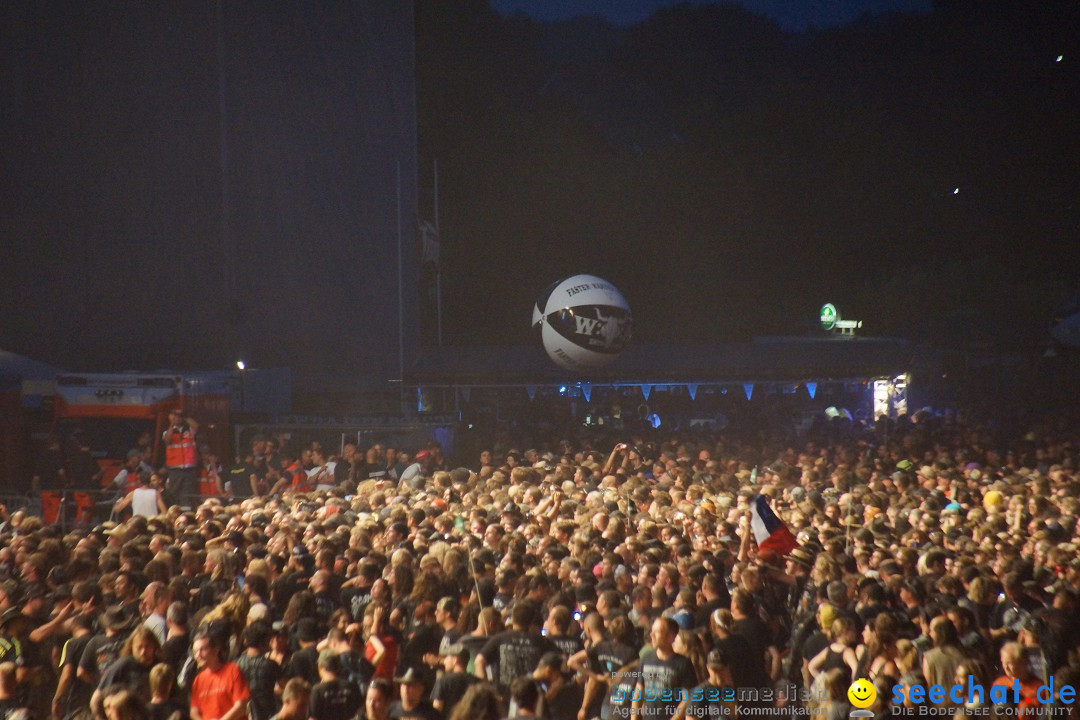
[570, 579]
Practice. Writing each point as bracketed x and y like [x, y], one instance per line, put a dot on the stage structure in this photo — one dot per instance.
[873, 373]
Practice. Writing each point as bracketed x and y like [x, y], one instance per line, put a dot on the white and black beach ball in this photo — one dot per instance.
[584, 321]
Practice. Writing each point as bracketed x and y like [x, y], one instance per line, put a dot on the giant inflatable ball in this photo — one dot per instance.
[584, 322]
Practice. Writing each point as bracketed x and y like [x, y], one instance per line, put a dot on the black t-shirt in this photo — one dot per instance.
[423, 640]
[450, 642]
[48, 468]
[79, 692]
[36, 654]
[175, 650]
[704, 613]
[450, 688]
[356, 669]
[513, 654]
[356, 600]
[665, 680]
[239, 478]
[325, 604]
[501, 601]
[82, 468]
[128, 673]
[565, 704]
[167, 710]
[262, 676]
[744, 674]
[568, 645]
[100, 652]
[212, 592]
[423, 711]
[373, 472]
[814, 644]
[342, 470]
[606, 658]
[282, 589]
[334, 700]
[757, 637]
[304, 663]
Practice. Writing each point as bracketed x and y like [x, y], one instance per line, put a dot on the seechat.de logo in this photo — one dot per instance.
[973, 692]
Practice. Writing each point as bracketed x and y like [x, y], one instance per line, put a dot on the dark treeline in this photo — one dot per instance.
[730, 177]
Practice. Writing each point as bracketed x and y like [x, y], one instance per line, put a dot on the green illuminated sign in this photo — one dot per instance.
[829, 316]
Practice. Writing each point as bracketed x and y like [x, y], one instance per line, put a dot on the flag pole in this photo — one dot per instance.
[401, 296]
[438, 262]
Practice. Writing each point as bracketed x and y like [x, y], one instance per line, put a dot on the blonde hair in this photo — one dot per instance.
[140, 633]
[162, 680]
[979, 590]
[220, 560]
[295, 688]
[907, 656]
[259, 566]
[234, 608]
[840, 625]
[694, 650]
[835, 684]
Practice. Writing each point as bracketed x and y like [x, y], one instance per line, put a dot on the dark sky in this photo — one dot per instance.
[726, 170]
[795, 15]
[117, 250]
[730, 175]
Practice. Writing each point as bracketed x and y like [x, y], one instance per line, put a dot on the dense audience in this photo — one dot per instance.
[580, 578]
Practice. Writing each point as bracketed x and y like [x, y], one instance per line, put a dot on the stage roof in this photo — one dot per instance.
[764, 359]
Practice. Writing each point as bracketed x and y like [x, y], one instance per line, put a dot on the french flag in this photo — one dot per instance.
[770, 531]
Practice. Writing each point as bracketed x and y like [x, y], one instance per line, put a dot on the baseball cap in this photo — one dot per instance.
[411, 675]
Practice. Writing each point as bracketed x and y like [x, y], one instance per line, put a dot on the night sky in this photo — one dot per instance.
[729, 167]
[118, 251]
[794, 15]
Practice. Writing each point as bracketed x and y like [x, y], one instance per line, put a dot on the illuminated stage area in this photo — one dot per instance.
[866, 376]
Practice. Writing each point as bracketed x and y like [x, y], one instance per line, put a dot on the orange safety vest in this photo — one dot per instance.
[208, 482]
[180, 448]
[299, 476]
[131, 481]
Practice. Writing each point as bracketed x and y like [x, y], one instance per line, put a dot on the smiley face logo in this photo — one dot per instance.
[862, 693]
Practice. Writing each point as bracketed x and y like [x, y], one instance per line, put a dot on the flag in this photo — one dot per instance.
[770, 532]
[429, 242]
